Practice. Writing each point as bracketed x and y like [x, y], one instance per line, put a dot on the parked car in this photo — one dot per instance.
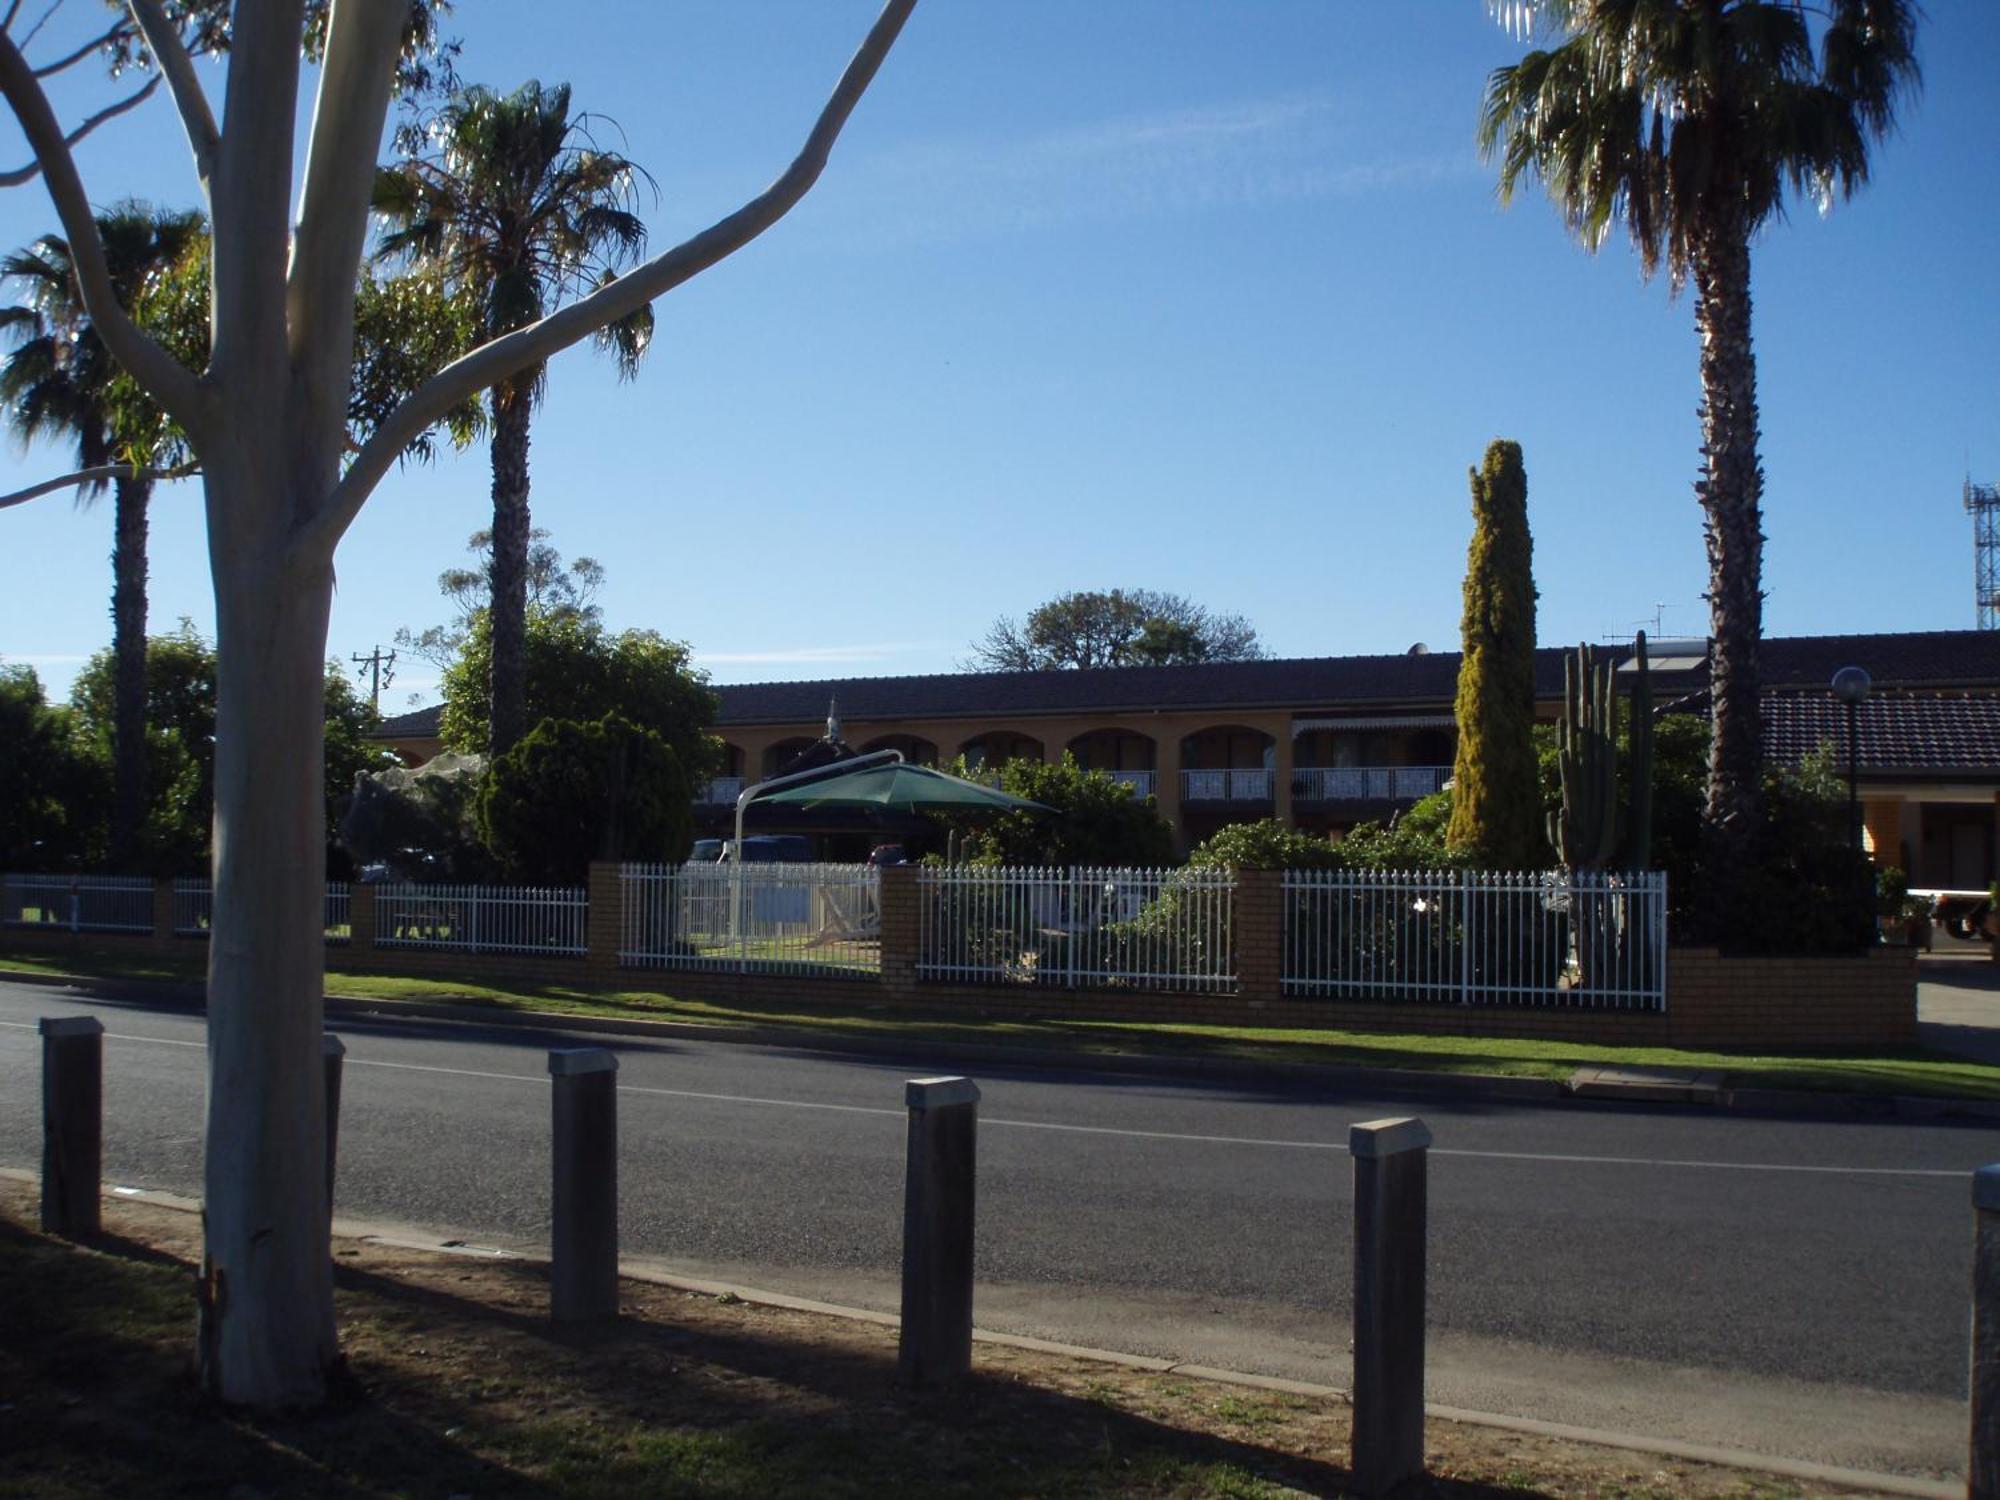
[771, 849]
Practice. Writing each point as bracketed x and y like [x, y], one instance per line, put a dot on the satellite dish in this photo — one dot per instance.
[1420, 649]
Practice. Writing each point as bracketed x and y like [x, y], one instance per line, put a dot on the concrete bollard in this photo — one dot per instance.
[1390, 1190]
[583, 1237]
[72, 1124]
[1982, 1471]
[938, 1181]
[333, 1054]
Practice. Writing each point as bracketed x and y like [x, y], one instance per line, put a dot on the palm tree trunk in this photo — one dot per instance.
[128, 650]
[1731, 489]
[508, 572]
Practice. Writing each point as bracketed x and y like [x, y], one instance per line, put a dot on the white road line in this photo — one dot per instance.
[1000, 1122]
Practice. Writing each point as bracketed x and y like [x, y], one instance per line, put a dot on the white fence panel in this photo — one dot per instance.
[753, 918]
[339, 900]
[79, 903]
[532, 920]
[194, 906]
[1076, 928]
[1593, 940]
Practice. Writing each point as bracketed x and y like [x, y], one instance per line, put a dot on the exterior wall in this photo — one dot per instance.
[1713, 1001]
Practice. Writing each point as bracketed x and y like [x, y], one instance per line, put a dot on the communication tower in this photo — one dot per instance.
[1983, 502]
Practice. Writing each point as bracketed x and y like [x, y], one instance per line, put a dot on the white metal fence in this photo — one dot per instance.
[78, 903]
[339, 901]
[532, 920]
[1587, 940]
[1142, 929]
[752, 918]
[194, 909]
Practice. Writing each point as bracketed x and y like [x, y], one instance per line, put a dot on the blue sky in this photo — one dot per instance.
[1189, 296]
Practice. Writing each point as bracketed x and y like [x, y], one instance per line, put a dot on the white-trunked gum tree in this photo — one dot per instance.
[267, 421]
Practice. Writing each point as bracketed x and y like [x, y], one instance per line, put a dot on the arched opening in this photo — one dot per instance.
[917, 750]
[783, 753]
[1120, 754]
[1228, 763]
[991, 751]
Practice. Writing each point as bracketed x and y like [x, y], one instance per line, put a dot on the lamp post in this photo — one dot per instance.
[1850, 686]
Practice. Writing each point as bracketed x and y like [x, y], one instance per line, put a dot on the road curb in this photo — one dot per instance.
[1801, 1103]
[651, 1274]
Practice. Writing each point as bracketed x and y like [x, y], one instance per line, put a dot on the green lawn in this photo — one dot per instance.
[1911, 1072]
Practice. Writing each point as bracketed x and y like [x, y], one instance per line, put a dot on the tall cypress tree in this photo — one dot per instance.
[1496, 793]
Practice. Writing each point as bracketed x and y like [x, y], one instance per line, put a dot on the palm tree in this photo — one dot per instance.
[516, 206]
[1691, 121]
[60, 383]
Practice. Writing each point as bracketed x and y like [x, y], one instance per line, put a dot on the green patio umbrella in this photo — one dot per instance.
[899, 788]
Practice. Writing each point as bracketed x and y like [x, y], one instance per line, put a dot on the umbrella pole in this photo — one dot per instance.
[738, 939]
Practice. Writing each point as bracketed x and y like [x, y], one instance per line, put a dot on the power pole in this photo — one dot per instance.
[380, 670]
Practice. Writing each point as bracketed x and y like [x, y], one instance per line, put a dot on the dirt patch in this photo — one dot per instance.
[459, 1386]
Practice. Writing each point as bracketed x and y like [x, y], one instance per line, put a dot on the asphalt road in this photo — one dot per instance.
[1780, 1285]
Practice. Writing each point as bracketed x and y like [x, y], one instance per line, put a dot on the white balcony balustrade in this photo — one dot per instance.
[721, 792]
[1141, 782]
[1226, 786]
[1367, 783]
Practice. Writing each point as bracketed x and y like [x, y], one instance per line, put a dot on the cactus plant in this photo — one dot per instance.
[1588, 831]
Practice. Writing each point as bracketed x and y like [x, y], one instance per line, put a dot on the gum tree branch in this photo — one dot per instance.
[178, 69]
[98, 475]
[49, 69]
[169, 382]
[491, 363]
[28, 173]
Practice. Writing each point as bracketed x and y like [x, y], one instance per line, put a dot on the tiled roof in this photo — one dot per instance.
[1923, 658]
[1920, 660]
[418, 724]
[1306, 682]
[1922, 734]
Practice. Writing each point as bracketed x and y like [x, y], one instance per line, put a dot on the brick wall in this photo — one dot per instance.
[1713, 1001]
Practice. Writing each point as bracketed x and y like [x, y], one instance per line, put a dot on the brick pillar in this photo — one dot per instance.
[361, 920]
[1260, 938]
[603, 923]
[163, 912]
[900, 930]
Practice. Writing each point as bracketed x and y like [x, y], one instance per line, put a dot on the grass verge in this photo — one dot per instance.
[1914, 1072]
[458, 1385]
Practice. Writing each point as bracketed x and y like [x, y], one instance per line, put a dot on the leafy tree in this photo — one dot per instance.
[1496, 809]
[47, 783]
[578, 670]
[282, 488]
[1136, 628]
[1266, 845]
[1691, 123]
[1097, 819]
[420, 822]
[516, 208]
[554, 588]
[181, 719]
[1414, 840]
[57, 385]
[572, 792]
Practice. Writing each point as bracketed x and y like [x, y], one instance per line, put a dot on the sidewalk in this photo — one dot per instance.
[1958, 1006]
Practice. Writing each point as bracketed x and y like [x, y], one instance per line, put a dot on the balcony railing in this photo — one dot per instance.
[1141, 782]
[1367, 783]
[722, 791]
[1226, 786]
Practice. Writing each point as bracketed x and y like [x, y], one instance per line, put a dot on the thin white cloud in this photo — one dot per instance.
[44, 658]
[1246, 154]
